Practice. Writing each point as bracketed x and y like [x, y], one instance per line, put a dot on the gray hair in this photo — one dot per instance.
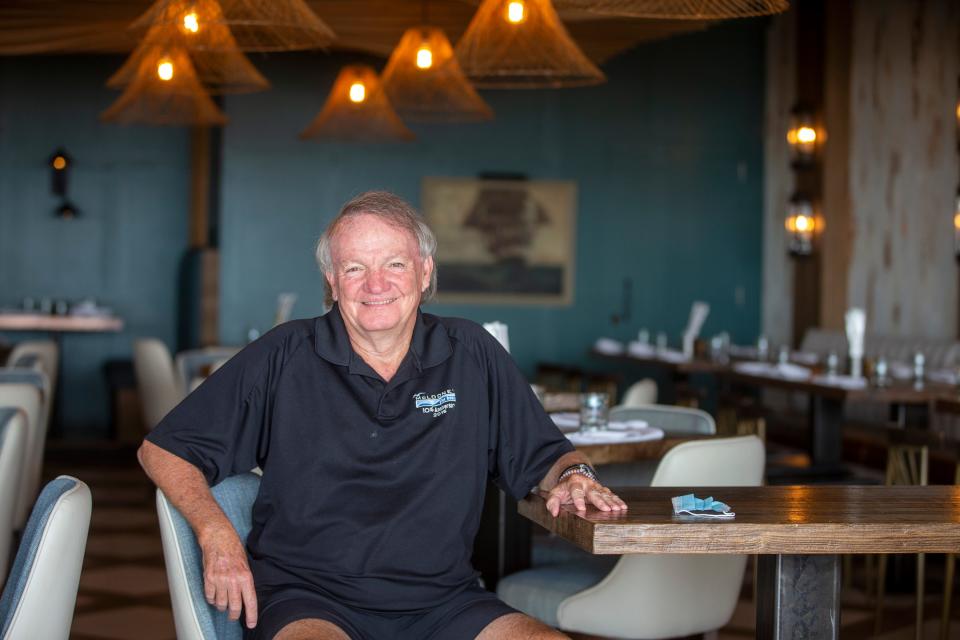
[393, 210]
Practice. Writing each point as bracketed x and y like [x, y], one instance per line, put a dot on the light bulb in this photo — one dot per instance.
[358, 92]
[191, 23]
[516, 12]
[59, 163]
[806, 135]
[424, 57]
[165, 69]
[803, 223]
[956, 220]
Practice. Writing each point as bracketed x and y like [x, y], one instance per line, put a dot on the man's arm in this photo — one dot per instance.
[227, 581]
[576, 488]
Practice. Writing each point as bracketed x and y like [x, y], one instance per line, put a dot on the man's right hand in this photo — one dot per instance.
[227, 581]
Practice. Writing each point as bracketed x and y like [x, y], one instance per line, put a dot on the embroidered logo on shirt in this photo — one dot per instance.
[435, 403]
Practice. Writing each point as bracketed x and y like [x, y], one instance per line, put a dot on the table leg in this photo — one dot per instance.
[502, 545]
[826, 434]
[798, 597]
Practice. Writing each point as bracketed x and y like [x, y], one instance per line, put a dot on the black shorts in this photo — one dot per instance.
[462, 617]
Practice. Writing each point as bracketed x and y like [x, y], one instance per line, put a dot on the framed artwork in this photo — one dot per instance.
[502, 241]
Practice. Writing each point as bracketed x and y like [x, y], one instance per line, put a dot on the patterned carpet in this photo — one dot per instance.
[123, 588]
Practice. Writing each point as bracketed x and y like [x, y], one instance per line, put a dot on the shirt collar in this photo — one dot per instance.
[430, 344]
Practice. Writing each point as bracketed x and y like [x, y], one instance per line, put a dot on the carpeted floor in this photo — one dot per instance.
[123, 588]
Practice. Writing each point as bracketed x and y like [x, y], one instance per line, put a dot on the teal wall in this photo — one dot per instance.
[131, 185]
[666, 156]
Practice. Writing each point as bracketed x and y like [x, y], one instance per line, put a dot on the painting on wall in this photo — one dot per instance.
[503, 241]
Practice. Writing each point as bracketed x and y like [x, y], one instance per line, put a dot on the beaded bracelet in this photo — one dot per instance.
[580, 468]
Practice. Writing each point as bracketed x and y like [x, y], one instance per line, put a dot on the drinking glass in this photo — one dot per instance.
[594, 411]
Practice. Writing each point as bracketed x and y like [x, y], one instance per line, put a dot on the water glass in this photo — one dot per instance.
[833, 364]
[594, 411]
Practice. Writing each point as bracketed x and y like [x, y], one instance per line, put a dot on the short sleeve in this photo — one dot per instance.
[223, 427]
[524, 442]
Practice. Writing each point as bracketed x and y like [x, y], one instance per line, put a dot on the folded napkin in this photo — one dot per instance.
[640, 349]
[943, 376]
[670, 355]
[608, 346]
[626, 425]
[690, 505]
[615, 437]
[791, 371]
[900, 370]
[844, 382]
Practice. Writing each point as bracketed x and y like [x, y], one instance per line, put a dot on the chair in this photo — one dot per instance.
[13, 443]
[193, 365]
[640, 394]
[40, 594]
[157, 382]
[193, 617]
[28, 390]
[25, 354]
[639, 596]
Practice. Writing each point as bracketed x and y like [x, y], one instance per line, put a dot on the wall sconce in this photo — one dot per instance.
[60, 164]
[802, 224]
[804, 136]
[956, 226]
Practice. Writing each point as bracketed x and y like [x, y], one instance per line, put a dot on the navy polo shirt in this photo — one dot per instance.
[371, 490]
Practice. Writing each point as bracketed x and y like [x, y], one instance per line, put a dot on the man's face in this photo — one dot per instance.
[378, 275]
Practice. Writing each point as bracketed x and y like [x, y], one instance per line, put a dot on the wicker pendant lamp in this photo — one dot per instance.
[522, 44]
[425, 83]
[680, 9]
[165, 91]
[357, 110]
[256, 25]
[220, 65]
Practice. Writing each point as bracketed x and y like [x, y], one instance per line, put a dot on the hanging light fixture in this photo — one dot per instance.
[165, 91]
[220, 65]
[679, 9]
[357, 110]
[256, 25]
[522, 44]
[802, 224]
[424, 82]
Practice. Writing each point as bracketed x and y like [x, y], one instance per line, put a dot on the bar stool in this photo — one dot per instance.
[907, 464]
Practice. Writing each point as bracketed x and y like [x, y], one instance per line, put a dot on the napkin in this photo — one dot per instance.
[671, 355]
[608, 346]
[626, 425]
[640, 349]
[791, 371]
[844, 382]
[566, 419]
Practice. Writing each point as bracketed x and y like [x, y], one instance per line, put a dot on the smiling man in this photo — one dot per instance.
[376, 427]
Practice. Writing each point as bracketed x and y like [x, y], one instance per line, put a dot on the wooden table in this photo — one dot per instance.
[798, 532]
[58, 324]
[825, 414]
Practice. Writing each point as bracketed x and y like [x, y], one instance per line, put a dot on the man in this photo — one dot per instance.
[376, 427]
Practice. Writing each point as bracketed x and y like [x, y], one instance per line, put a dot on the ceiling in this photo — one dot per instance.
[371, 26]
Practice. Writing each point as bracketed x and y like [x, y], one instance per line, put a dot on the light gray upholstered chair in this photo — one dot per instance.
[193, 365]
[13, 445]
[157, 382]
[649, 596]
[41, 591]
[641, 393]
[29, 390]
[27, 353]
[193, 617]
[675, 421]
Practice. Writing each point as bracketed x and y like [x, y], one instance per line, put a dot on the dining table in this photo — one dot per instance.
[798, 534]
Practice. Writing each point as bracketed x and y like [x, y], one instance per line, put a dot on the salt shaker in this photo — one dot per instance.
[763, 348]
[881, 371]
[833, 364]
[919, 363]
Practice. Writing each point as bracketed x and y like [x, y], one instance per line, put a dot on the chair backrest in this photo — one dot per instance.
[25, 389]
[40, 594]
[157, 383]
[673, 420]
[25, 355]
[640, 597]
[641, 393]
[192, 616]
[194, 364]
[13, 444]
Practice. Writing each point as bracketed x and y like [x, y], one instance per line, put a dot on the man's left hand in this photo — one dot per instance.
[579, 490]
